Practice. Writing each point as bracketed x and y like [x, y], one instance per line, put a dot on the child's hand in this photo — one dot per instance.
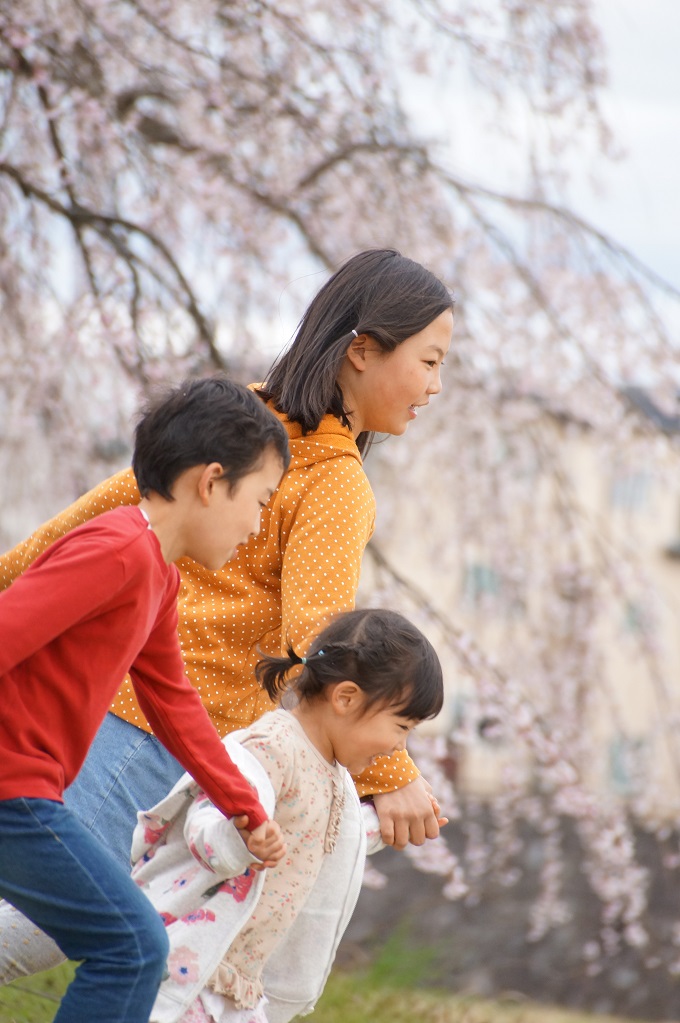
[441, 821]
[265, 842]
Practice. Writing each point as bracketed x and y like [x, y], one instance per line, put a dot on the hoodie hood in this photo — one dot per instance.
[329, 440]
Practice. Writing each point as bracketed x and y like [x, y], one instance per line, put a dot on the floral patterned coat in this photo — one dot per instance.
[207, 894]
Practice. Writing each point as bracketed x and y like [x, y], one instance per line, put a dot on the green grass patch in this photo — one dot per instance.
[35, 999]
[383, 993]
[353, 998]
[396, 988]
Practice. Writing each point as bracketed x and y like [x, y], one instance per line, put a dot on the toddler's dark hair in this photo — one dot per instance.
[211, 419]
[390, 660]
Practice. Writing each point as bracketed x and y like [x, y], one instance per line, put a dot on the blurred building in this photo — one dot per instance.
[604, 614]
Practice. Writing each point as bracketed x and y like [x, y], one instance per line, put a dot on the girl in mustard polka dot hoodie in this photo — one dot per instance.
[366, 357]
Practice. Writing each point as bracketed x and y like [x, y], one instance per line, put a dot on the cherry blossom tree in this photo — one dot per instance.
[176, 178]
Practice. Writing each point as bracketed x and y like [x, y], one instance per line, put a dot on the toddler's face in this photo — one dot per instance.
[371, 733]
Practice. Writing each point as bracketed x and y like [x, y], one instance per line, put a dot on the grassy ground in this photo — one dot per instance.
[35, 999]
[368, 997]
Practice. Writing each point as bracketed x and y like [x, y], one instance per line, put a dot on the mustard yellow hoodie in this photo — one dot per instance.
[280, 589]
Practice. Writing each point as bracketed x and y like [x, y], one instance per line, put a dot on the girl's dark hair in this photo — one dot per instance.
[212, 419]
[378, 292]
[390, 660]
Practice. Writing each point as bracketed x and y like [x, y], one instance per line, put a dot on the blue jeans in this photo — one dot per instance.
[126, 770]
[65, 881]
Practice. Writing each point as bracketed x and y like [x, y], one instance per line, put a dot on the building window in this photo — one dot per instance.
[629, 491]
[628, 764]
[480, 582]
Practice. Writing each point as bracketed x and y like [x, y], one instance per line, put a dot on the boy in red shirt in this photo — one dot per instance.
[98, 603]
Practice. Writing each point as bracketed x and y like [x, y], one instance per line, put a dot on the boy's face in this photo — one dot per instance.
[232, 516]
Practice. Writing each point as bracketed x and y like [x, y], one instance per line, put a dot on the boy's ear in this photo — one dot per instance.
[208, 478]
[356, 352]
[345, 697]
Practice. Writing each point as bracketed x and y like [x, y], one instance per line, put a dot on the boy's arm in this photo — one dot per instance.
[174, 710]
[44, 603]
[118, 490]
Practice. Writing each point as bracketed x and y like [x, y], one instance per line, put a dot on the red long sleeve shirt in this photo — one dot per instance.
[99, 603]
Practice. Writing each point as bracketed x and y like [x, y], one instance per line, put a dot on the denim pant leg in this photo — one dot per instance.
[62, 878]
[126, 770]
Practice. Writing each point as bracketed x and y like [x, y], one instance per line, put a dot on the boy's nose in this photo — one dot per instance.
[257, 523]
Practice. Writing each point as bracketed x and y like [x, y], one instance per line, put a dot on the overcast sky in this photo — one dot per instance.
[637, 198]
[640, 203]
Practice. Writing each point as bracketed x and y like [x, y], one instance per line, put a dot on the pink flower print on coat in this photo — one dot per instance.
[196, 1014]
[239, 886]
[183, 965]
[148, 855]
[207, 857]
[183, 880]
[199, 916]
[154, 829]
[167, 919]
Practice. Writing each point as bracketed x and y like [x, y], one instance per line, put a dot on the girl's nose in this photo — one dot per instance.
[436, 383]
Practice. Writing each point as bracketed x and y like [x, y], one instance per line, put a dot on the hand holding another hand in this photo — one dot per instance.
[409, 814]
[265, 842]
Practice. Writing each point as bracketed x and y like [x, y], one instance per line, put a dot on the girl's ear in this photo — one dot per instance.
[345, 697]
[207, 480]
[356, 352]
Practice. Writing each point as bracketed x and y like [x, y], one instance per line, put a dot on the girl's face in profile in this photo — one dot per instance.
[384, 391]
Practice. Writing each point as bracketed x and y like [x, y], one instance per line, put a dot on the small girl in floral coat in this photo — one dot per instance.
[249, 945]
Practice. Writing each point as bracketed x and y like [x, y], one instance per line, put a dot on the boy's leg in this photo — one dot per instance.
[126, 770]
[62, 878]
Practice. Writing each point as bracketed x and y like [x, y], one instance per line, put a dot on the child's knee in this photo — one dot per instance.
[156, 946]
[144, 946]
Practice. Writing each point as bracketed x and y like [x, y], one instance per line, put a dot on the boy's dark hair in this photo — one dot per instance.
[378, 292]
[212, 419]
[390, 660]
